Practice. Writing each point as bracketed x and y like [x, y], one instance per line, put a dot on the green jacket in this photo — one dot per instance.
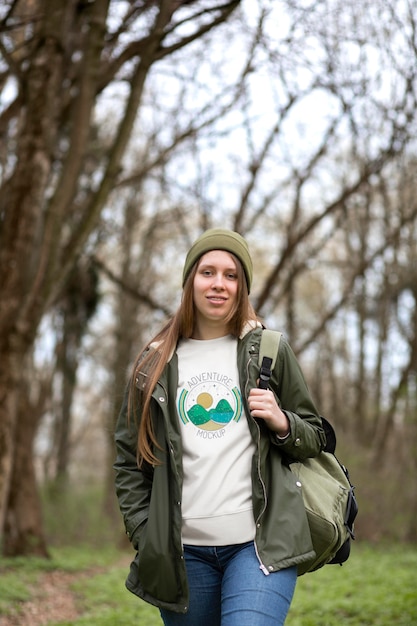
[150, 497]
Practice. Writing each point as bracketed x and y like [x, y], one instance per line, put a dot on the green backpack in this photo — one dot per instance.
[329, 496]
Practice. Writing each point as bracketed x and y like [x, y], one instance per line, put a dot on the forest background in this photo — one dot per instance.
[126, 129]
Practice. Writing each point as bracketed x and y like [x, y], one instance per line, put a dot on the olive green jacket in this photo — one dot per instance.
[150, 497]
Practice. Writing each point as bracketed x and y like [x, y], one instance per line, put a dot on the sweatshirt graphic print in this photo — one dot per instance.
[217, 446]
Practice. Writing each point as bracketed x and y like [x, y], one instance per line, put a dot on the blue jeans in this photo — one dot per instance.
[227, 588]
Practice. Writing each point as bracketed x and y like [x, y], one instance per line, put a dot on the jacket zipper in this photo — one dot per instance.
[262, 567]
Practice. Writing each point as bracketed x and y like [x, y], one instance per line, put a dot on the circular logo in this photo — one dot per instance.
[210, 406]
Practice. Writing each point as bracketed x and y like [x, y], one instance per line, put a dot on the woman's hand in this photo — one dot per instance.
[263, 405]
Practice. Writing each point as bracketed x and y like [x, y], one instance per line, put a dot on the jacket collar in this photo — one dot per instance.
[249, 325]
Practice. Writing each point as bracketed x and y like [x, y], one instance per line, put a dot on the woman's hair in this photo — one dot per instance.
[152, 359]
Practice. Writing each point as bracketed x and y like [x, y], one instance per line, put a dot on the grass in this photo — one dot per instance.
[376, 587]
[106, 602]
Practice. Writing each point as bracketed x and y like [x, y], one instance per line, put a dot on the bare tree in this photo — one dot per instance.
[58, 59]
[316, 182]
[289, 138]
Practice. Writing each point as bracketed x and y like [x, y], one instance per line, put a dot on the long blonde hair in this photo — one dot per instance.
[153, 358]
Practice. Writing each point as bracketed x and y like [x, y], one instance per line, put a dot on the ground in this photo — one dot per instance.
[53, 601]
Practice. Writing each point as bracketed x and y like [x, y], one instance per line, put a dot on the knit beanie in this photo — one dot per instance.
[220, 239]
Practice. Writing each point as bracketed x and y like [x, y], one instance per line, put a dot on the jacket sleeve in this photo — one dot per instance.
[133, 484]
[306, 437]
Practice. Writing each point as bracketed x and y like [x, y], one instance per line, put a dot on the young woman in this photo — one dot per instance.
[202, 470]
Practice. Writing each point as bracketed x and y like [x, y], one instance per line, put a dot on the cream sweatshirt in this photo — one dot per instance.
[217, 446]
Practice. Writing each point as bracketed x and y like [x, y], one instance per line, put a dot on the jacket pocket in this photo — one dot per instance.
[156, 566]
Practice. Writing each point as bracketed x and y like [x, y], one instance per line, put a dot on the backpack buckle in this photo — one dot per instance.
[265, 373]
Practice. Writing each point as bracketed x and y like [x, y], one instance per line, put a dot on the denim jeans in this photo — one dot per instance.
[227, 588]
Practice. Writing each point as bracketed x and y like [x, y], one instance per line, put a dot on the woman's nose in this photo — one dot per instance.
[218, 280]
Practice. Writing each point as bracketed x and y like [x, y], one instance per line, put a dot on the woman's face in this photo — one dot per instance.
[215, 291]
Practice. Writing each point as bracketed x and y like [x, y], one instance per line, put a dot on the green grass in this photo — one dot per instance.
[107, 602]
[16, 578]
[376, 587]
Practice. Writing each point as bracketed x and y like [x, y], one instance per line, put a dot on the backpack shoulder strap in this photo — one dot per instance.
[269, 346]
[268, 353]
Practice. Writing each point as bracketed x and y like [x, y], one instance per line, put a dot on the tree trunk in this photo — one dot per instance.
[22, 216]
[23, 526]
[8, 418]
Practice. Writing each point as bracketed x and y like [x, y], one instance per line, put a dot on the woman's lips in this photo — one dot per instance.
[216, 299]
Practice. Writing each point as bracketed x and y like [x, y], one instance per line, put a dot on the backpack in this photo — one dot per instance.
[329, 496]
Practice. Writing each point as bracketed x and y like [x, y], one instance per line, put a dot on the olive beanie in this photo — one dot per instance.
[220, 239]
